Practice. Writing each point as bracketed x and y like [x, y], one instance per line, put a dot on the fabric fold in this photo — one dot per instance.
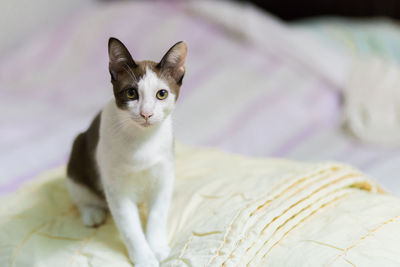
[227, 210]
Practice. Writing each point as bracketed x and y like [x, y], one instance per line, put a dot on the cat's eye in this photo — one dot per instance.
[131, 93]
[162, 94]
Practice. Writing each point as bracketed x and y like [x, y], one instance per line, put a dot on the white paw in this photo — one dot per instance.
[162, 252]
[149, 261]
[93, 216]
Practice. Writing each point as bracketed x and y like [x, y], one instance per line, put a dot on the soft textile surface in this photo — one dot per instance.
[263, 97]
[379, 37]
[226, 209]
[372, 99]
[20, 20]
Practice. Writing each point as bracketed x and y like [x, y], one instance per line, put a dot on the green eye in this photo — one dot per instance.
[131, 93]
[162, 94]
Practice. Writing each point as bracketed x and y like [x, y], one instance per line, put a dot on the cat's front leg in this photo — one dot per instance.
[157, 221]
[126, 216]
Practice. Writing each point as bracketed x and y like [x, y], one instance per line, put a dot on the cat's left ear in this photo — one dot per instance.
[174, 61]
[119, 56]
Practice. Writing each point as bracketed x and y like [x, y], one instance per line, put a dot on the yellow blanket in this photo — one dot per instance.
[228, 210]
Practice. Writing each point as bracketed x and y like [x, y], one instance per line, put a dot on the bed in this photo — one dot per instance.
[227, 210]
[269, 91]
[296, 111]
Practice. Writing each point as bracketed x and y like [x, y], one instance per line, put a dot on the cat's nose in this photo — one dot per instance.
[146, 115]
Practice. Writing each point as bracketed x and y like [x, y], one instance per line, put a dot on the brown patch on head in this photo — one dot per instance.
[126, 73]
[173, 62]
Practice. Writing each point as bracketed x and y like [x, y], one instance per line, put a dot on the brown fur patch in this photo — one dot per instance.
[82, 166]
[126, 73]
[130, 77]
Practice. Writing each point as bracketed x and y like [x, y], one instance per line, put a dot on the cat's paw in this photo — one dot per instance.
[161, 252]
[149, 261]
[93, 216]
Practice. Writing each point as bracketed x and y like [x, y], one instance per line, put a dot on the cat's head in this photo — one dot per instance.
[146, 90]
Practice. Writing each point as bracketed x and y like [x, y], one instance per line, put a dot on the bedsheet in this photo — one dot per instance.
[371, 95]
[239, 94]
[227, 210]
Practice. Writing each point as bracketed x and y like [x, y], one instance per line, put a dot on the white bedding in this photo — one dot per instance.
[227, 210]
[257, 97]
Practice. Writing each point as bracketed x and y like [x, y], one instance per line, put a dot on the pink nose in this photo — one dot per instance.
[145, 115]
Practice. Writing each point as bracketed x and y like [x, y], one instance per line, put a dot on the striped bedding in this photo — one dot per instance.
[237, 95]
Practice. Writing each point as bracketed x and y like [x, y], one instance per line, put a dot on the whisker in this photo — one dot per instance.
[119, 125]
[130, 72]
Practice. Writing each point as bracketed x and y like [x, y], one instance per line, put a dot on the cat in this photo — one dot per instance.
[126, 157]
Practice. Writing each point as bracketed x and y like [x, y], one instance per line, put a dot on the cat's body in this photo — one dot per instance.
[126, 158]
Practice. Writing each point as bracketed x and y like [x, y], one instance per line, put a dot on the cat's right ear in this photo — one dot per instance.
[119, 56]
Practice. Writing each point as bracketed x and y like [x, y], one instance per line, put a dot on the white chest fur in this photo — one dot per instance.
[131, 159]
[136, 166]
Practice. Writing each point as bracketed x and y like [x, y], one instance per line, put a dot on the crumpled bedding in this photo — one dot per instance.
[227, 210]
[368, 80]
[284, 83]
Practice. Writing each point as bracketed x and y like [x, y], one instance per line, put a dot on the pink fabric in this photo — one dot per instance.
[235, 96]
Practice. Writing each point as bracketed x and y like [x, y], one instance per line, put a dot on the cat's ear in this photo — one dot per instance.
[174, 61]
[119, 56]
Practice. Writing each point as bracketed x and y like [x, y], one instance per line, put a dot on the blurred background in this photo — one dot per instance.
[309, 80]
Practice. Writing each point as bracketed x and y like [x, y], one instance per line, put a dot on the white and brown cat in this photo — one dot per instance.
[126, 157]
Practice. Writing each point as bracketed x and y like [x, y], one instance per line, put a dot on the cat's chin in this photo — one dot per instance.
[145, 125]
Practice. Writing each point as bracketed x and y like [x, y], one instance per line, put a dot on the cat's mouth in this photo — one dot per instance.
[146, 124]
[143, 123]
